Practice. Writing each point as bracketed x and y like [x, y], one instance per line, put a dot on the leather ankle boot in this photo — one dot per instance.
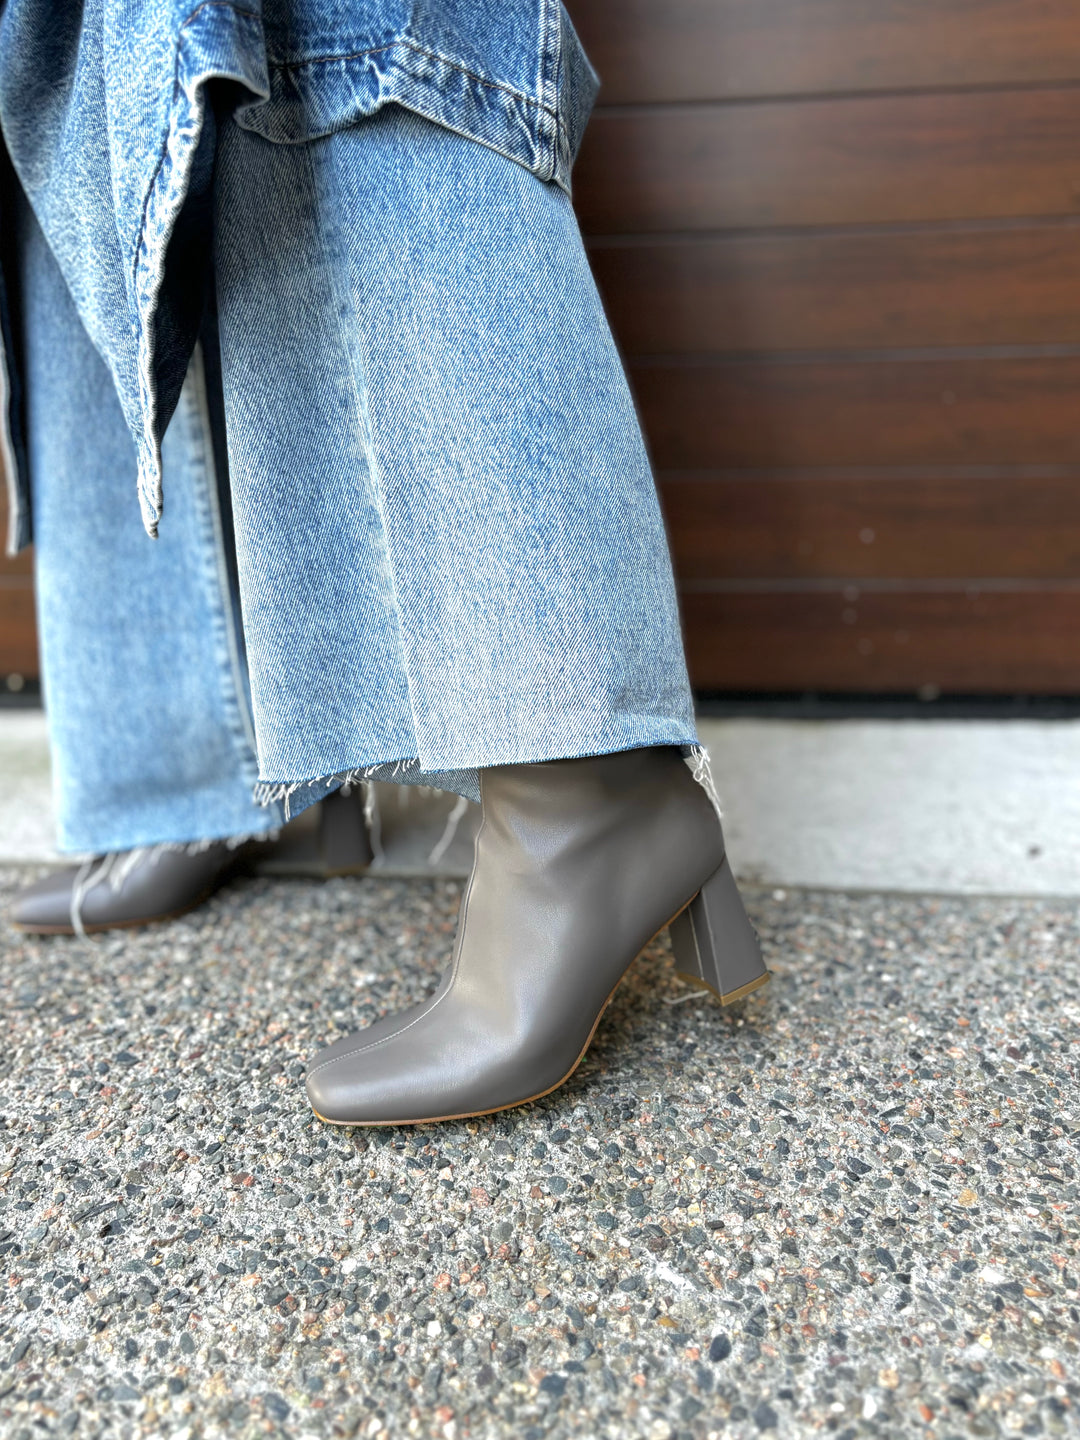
[122, 890]
[578, 865]
[140, 887]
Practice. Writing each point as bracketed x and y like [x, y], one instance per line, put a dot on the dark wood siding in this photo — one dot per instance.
[839, 244]
[683, 50]
[838, 288]
[18, 632]
[925, 524]
[855, 637]
[855, 160]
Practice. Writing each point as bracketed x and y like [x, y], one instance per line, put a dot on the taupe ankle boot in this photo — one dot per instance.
[127, 889]
[578, 865]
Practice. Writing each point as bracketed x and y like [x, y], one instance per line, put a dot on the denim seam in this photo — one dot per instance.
[152, 506]
[233, 687]
[429, 54]
[534, 132]
[164, 144]
[366, 430]
[548, 82]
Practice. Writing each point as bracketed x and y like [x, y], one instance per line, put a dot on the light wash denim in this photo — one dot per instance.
[447, 538]
[108, 109]
[446, 522]
[142, 660]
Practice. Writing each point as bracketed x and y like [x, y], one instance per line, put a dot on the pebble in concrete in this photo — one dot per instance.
[847, 1208]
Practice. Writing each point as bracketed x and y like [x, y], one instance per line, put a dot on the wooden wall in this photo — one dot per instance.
[18, 634]
[839, 243]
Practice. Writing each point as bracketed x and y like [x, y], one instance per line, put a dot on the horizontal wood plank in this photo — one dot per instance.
[725, 49]
[1017, 284]
[21, 564]
[928, 525]
[769, 413]
[988, 643]
[880, 159]
[18, 630]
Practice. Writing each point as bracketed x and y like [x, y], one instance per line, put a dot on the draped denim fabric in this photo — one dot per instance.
[109, 110]
[141, 650]
[448, 546]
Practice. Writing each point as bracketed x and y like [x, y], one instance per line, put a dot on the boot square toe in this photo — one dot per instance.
[401, 1078]
[352, 1088]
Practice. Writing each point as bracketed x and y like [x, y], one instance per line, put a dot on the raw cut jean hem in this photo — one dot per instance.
[457, 771]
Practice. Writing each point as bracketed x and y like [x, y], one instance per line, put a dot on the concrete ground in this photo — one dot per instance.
[847, 1207]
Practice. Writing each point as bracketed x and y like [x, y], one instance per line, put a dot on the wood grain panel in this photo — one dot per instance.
[878, 160]
[927, 525]
[724, 49]
[18, 632]
[990, 642]
[749, 415]
[18, 627]
[21, 564]
[1017, 284]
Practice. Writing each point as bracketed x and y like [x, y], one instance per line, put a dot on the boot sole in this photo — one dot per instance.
[727, 999]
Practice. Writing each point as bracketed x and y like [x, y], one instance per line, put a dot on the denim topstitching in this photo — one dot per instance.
[424, 50]
[234, 697]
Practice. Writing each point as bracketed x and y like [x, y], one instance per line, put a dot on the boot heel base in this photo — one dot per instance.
[715, 945]
[730, 996]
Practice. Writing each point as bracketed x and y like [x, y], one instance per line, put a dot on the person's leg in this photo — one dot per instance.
[451, 551]
[149, 721]
[453, 568]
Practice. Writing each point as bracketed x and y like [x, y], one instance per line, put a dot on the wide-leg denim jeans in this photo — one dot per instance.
[141, 651]
[447, 541]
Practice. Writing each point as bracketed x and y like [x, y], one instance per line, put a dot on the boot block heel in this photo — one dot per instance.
[344, 843]
[714, 943]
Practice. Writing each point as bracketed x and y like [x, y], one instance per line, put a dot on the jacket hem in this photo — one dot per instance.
[318, 96]
[18, 516]
[13, 456]
[213, 37]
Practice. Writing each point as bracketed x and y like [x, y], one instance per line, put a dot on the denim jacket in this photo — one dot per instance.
[108, 111]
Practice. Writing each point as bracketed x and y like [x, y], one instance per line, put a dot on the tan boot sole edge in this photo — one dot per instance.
[727, 999]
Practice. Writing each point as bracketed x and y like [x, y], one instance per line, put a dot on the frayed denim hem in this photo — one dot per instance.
[295, 796]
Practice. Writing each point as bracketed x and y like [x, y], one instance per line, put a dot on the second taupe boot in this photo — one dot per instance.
[578, 865]
[140, 887]
[123, 889]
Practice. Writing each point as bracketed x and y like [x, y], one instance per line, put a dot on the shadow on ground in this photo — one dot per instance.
[848, 1207]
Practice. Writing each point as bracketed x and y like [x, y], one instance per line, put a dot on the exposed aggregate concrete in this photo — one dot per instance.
[847, 1207]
